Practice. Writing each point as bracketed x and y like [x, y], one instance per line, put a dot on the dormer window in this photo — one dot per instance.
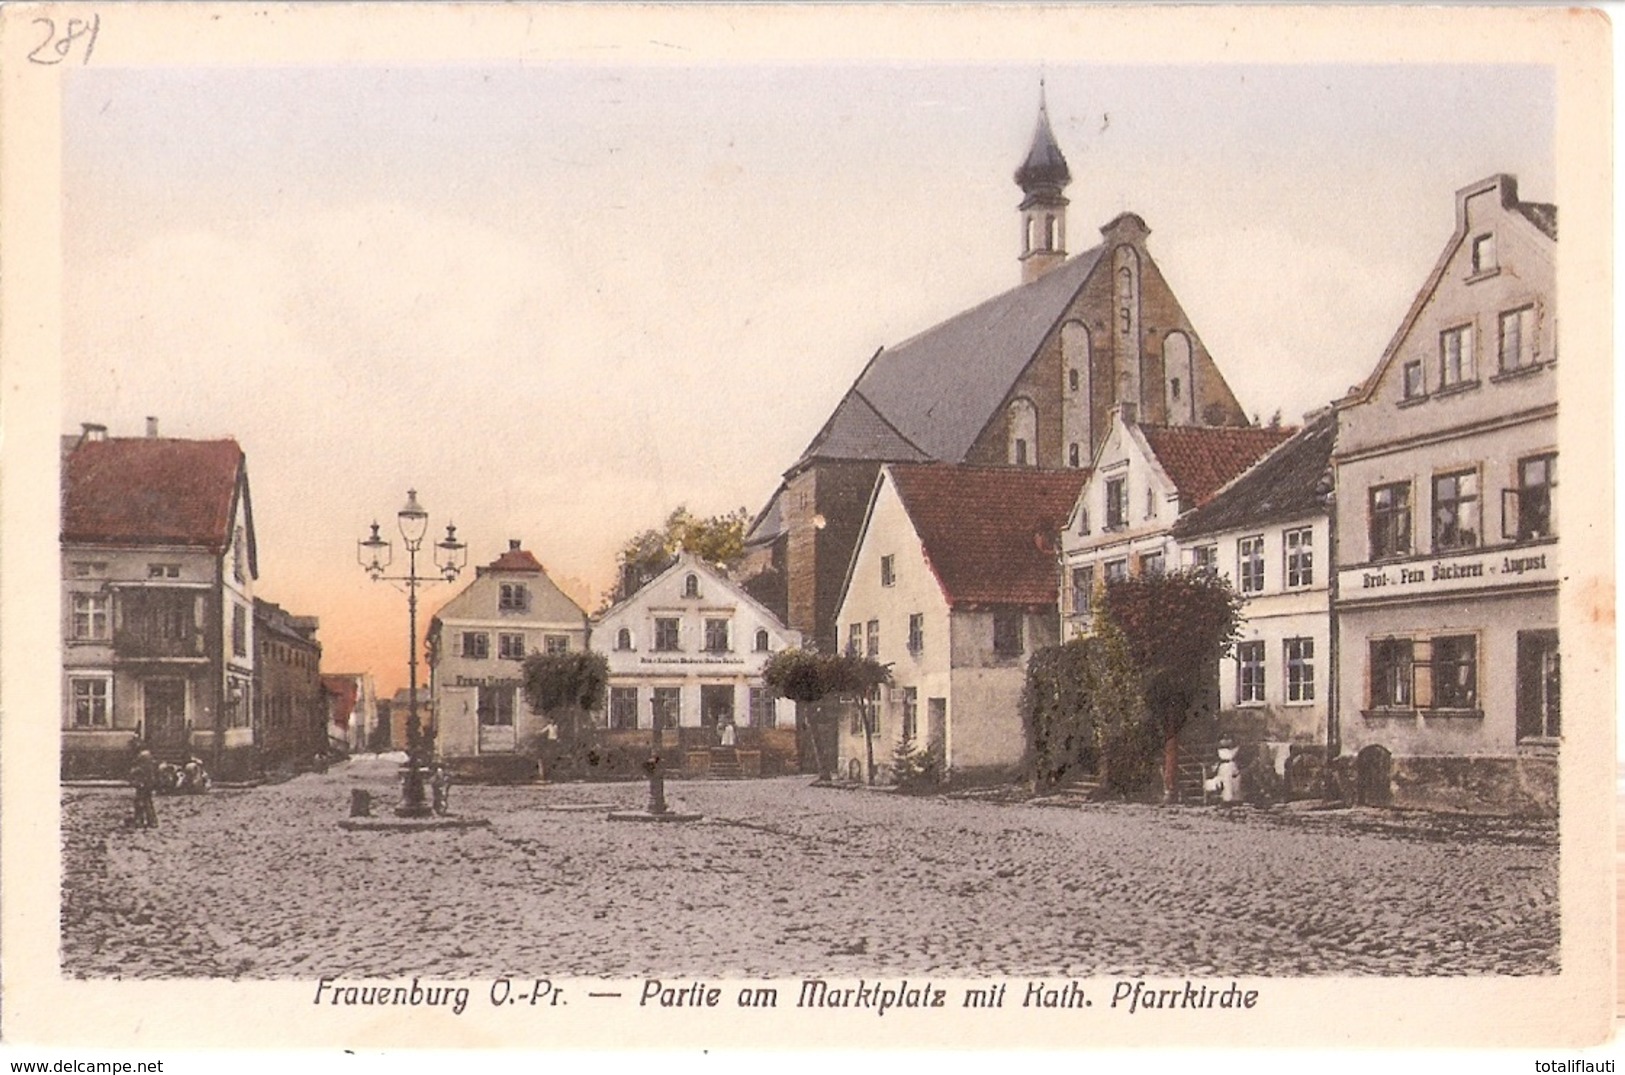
[691, 586]
[1484, 254]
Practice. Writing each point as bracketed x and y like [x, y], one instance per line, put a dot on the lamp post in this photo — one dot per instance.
[374, 554]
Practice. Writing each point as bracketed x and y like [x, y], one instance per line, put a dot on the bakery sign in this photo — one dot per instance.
[1475, 571]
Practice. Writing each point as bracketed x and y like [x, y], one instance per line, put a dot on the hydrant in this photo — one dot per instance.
[1226, 778]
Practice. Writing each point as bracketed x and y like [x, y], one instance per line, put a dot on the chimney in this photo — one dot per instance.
[152, 426]
[513, 544]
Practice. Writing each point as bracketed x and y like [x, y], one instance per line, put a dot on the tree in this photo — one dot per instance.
[1174, 629]
[718, 540]
[560, 681]
[806, 676]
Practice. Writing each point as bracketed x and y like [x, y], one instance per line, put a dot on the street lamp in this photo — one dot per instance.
[375, 555]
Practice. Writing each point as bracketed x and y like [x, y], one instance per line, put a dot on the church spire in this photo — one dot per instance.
[1042, 177]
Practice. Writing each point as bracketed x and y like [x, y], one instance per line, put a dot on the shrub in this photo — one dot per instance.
[915, 768]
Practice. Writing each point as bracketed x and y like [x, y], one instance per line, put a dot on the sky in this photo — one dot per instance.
[561, 300]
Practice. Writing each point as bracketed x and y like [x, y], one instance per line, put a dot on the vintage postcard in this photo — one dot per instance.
[788, 526]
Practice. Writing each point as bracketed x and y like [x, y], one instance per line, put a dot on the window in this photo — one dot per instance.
[1116, 570]
[1151, 563]
[513, 597]
[476, 645]
[1072, 380]
[1116, 503]
[1455, 672]
[90, 699]
[1249, 672]
[1483, 254]
[1456, 366]
[888, 570]
[1300, 557]
[1250, 564]
[1074, 456]
[623, 639]
[716, 704]
[1455, 510]
[623, 708]
[1390, 520]
[911, 713]
[666, 637]
[1150, 503]
[666, 704]
[239, 559]
[1205, 558]
[1300, 669]
[1517, 339]
[83, 569]
[1173, 387]
[90, 616]
[1007, 634]
[163, 571]
[872, 644]
[716, 636]
[916, 633]
[1083, 520]
[1531, 507]
[854, 639]
[1391, 673]
[495, 707]
[691, 586]
[1415, 380]
[239, 631]
[761, 640]
[763, 712]
[1540, 712]
[511, 647]
[1021, 451]
[1083, 589]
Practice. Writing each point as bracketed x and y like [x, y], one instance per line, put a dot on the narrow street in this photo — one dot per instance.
[782, 879]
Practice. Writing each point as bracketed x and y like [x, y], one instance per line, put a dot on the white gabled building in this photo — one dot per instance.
[692, 644]
[478, 642]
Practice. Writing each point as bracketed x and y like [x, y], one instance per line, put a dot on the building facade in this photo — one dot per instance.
[1143, 479]
[690, 646]
[1446, 528]
[1026, 379]
[1267, 533]
[477, 646]
[953, 586]
[290, 705]
[158, 570]
[352, 711]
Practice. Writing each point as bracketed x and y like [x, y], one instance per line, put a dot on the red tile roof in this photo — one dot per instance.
[151, 490]
[344, 690]
[1202, 459]
[515, 560]
[989, 532]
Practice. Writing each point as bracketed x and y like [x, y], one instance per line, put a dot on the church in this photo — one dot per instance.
[1028, 378]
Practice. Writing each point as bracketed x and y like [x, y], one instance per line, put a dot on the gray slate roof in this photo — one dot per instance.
[937, 391]
[1280, 487]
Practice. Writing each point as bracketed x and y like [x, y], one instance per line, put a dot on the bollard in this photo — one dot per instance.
[360, 802]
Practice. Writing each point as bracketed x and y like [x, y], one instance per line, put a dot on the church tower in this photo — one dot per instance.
[1042, 177]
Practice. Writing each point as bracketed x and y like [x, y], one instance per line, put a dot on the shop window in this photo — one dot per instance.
[666, 705]
[623, 708]
[1540, 712]
[1249, 673]
[495, 707]
[1455, 510]
[1390, 521]
[1455, 672]
[1392, 672]
[716, 704]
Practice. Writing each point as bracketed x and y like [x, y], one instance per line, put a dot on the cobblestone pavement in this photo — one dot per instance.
[783, 879]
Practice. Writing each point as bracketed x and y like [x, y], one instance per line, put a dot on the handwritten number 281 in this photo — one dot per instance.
[57, 46]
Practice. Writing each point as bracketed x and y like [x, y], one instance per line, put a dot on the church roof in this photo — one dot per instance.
[1284, 485]
[989, 532]
[1045, 167]
[933, 394]
[1200, 460]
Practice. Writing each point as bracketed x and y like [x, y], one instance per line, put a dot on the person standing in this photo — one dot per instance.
[144, 778]
[440, 785]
